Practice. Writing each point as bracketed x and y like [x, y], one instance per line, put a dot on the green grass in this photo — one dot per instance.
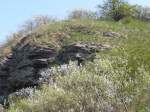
[120, 79]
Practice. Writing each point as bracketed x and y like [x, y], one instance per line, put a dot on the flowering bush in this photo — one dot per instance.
[105, 85]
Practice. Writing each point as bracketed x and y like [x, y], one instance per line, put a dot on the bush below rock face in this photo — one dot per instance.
[77, 91]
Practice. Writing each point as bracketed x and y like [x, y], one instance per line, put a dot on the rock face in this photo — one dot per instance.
[80, 52]
[111, 34]
[20, 69]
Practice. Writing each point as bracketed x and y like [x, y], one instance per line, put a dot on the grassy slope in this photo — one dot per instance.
[119, 79]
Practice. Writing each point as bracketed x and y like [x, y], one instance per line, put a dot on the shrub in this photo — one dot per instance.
[82, 14]
[79, 91]
[116, 9]
[142, 13]
[36, 22]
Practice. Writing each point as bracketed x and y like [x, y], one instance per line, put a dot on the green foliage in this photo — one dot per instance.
[116, 9]
[118, 80]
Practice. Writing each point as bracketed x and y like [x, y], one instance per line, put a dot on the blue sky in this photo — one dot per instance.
[15, 12]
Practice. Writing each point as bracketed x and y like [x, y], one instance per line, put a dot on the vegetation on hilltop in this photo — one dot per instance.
[117, 81]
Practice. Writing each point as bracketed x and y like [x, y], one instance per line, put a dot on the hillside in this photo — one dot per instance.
[78, 66]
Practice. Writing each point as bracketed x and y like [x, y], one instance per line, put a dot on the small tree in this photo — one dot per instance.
[29, 25]
[116, 9]
[82, 14]
[43, 20]
[36, 22]
[142, 13]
